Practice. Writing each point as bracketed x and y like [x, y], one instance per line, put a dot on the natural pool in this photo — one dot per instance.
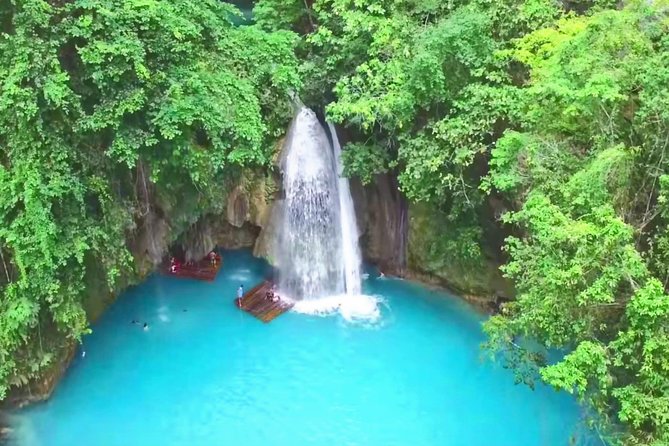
[206, 373]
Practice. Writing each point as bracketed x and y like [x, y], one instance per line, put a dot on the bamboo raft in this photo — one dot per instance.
[255, 303]
[202, 270]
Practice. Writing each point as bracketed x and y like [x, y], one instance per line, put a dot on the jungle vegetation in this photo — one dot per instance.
[558, 109]
[561, 110]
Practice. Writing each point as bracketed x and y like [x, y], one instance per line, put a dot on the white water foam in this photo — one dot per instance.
[349, 227]
[360, 308]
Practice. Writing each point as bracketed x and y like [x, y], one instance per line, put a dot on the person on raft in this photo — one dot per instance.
[174, 265]
[240, 294]
[271, 294]
[213, 257]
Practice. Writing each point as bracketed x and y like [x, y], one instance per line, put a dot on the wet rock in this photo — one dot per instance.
[432, 260]
[150, 242]
[5, 430]
[266, 202]
[382, 213]
[405, 240]
[265, 244]
[242, 222]
[232, 237]
[40, 389]
[198, 241]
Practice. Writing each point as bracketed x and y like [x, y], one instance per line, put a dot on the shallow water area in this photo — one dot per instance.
[206, 373]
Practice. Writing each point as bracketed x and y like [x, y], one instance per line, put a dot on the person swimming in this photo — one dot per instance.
[146, 326]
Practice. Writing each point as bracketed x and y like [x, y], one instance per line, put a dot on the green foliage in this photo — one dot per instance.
[559, 110]
[568, 269]
[587, 170]
[282, 14]
[98, 95]
[365, 161]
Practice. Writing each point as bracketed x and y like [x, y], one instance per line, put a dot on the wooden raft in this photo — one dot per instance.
[255, 303]
[202, 270]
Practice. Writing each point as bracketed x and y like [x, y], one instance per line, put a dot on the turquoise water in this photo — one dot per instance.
[246, 8]
[206, 373]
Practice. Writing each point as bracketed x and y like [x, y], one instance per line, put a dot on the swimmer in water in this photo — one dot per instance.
[146, 326]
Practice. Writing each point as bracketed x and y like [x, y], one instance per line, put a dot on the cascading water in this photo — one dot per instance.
[317, 248]
[310, 244]
[349, 226]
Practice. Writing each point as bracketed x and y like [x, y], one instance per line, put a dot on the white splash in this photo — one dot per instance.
[351, 308]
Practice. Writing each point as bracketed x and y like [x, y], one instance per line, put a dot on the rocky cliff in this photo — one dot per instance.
[431, 259]
[382, 214]
[407, 240]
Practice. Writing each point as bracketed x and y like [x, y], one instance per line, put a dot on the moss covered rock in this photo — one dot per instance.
[437, 254]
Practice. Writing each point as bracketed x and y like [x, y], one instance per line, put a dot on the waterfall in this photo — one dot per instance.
[316, 249]
[309, 253]
[318, 254]
[349, 227]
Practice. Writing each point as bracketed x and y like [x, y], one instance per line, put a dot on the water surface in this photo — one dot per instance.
[207, 374]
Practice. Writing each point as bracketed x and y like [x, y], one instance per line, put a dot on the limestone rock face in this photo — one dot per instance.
[381, 211]
[150, 242]
[243, 224]
[232, 237]
[266, 207]
[238, 207]
[430, 260]
[245, 218]
[198, 240]
[264, 246]
[406, 240]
